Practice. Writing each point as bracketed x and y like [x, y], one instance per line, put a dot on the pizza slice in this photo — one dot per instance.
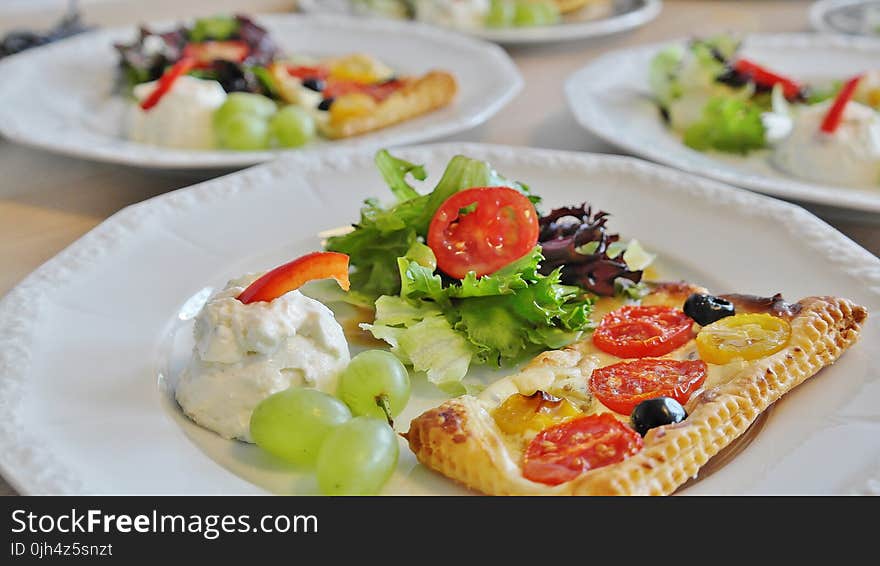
[356, 94]
[639, 407]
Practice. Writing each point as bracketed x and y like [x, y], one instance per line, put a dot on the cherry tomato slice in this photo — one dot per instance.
[293, 275]
[746, 336]
[205, 52]
[166, 81]
[520, 413]
[379, 91]
[622, 386]
[643, 331]
[303, 72]
[563, 452]
[481, 230]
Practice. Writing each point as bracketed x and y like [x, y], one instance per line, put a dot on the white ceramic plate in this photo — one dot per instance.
[611, 98]
[91, 341]
[856, 17]
[605, 17]
[61, 99]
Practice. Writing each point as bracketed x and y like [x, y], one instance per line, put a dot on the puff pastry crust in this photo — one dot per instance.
[461, 440]
[417, 96]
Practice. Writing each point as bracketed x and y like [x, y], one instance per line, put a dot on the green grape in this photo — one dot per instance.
[292, 424]
[501, 13]
[375, 384]
[238, 103]
[530, 13]
[357, 458]
[292, 126]
[242, 131]
[217, 28]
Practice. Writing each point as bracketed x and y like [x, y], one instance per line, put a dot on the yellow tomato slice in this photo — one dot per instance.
[351, 105]
[743, 336]
[520, 413]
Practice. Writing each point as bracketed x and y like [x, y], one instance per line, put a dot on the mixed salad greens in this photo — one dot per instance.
[147, 58]
[470, 273]
[467, 13]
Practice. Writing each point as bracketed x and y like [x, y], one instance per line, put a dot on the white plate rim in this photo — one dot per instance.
[819, 9]
[33, 469]
[599, 27]
[153, 157]
[791, 189]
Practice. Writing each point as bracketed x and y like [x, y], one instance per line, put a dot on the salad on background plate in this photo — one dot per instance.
[505, 21]
[795, 116]
[718, 100]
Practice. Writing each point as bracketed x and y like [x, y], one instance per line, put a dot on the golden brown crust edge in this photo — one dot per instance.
[429, 92]
[459, 439]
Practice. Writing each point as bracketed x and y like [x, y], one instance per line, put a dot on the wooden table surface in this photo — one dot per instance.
[48, 201]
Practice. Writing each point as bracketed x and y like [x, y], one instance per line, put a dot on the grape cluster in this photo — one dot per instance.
[247, 121]
[348, 439]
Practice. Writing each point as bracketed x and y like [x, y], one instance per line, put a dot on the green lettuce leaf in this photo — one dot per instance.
[663, 74]
[395, 171]
[496, 319]
[217, 28]
[421, 336]
[728, 124]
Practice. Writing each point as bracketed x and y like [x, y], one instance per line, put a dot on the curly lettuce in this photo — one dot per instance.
[727, 124]
[497, 319]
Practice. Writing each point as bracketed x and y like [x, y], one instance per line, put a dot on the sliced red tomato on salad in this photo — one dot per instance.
[482, 229]
[762, 76]
[166, 81]
[563, 452]
[643, 331]
[206, 52]
[295, 274]
[835, 112]
[622, 386]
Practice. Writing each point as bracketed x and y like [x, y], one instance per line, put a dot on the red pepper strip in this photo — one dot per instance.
[293, 275]
[165, 82]
[835, 113]
[767, 78]
[206, 52]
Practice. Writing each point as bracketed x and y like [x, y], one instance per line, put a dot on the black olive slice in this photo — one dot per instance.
[659, 411]
[706, 309]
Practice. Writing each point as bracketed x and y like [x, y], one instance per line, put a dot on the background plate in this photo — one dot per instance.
[611, 98]
[604, 18]
[61, 99]
[857, 17]
[90, 341]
